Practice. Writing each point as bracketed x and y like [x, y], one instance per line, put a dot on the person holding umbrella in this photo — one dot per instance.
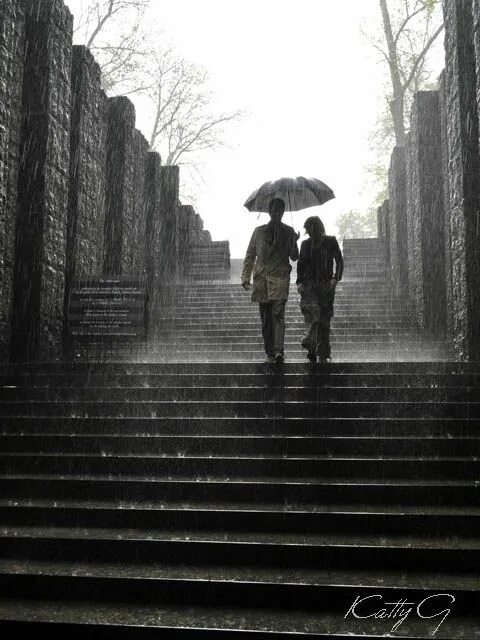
[316, 283]
[269, 252]
[272, 246]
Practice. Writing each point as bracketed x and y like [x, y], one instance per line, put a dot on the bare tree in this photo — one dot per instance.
[183, 120]
[410, 29]
[112, 29]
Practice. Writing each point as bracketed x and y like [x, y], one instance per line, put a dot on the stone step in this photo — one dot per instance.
[274, 379]
[169, 554]
[122, 368]
[278, 519]
[87, 619]
[292, 341]
[251, 446]
[236, 469]
[253, 327]
[288, 600]
[246, 490]
[266, 394]
[237, 334]
[357, 426]
[224, 408]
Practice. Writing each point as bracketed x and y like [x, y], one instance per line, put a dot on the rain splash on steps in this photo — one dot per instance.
[227, 498]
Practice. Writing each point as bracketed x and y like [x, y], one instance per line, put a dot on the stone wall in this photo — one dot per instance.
[153, 227]
[80, 194]
[119, 189]
[186, 225]
[383, 229]
[11, 75]
[425, 214]
[169, 187]
[86, 211]
[134, 232]
[398, 218]
[446, 201]
[40, 239]
[414, 262]
[464, 170]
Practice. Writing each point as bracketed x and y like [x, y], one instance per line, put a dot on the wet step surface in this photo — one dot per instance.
[185, 494]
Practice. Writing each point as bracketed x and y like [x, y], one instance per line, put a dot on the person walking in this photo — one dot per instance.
[316, 283]
[268, 256]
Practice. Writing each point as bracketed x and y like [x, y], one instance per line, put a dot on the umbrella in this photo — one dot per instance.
[297, 193]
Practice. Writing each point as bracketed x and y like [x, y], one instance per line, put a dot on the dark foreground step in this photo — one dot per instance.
[307, 554]
[376, 427]
[226, 409]
[165, 467]
[250, 446]
[312, 379]
[242, 490]
[306, 591]
[328, 520]
[268, 379]
[242, 394]
[89, 619]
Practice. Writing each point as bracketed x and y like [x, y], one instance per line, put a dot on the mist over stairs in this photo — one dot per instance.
[211, 318]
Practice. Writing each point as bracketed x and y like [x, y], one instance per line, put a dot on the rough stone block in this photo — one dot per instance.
[40, 239]
[153, 228]
[425, 214]
[186, 218]
[383, 229]
[119, 183]
[86, 211]
[446, 201]
[134, 238]
[169, 186]
[12, 25]
[397, 187]
[464, 169]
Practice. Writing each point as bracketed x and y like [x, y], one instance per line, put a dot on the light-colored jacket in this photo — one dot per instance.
[268, 256]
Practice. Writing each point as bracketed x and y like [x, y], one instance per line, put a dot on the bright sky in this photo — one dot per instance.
[311, 85]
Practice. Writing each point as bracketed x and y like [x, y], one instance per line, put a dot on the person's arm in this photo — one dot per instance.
[301, 264]
[249, 260]
[337, 255]
[294, 246]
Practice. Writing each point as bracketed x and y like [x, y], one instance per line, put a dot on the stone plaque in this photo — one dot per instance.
[108, 306]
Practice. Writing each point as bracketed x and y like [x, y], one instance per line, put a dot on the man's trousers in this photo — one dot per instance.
[273, 326]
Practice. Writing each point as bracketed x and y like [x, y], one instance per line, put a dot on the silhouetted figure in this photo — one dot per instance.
[316, 283]
[269, 252]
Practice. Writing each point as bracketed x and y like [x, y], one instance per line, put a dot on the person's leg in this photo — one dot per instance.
[310, 310]
[266, 316]
[327, 295]
[278, 326]
[323, 348]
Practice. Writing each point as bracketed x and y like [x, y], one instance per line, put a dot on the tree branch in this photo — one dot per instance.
[422, 54]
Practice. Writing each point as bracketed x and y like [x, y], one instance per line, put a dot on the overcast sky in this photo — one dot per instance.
[311, 86]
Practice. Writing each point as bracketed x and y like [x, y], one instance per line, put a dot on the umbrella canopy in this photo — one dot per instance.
[298, 193]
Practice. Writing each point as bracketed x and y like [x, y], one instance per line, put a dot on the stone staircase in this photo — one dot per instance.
[231, 499]
[365, 258]
[213, 318]
[209, 261]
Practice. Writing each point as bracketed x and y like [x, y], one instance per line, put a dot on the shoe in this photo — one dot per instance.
[312, 356]
[269, 360]
[279, 359]
[305, 343]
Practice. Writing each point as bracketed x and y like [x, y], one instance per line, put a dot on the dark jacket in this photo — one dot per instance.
[316, 264]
